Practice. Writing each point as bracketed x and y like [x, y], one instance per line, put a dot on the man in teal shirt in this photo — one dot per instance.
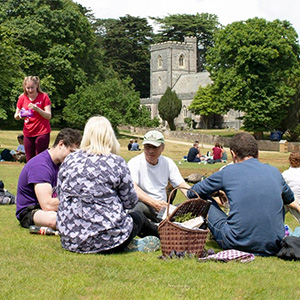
[256, 193]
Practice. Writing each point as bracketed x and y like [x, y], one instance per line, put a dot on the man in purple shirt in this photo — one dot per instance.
[37, 201]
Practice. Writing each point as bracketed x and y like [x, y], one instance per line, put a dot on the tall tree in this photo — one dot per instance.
[204, 104]
[113, 98]
[126, 43]
[56, 42]
[176, 27]
[169, 107]
[291, 124]
[253, 65]
[10, 75]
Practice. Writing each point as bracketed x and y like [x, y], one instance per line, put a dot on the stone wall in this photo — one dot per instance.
[264, 145]
[212, 139]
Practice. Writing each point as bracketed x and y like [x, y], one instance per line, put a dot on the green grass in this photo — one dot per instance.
[36, 267]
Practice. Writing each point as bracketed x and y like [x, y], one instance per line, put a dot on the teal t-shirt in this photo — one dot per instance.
[256, 193]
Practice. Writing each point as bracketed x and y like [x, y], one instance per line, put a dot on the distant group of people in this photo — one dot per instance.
[133, 145]
[99, 203]
[218, 154]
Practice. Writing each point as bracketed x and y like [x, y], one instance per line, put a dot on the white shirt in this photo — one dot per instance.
[21, 148]
[153, 179]
[292, 178]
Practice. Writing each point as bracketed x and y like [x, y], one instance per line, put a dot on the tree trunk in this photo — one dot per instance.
[258, 135]
[206, 121]
[172, 125]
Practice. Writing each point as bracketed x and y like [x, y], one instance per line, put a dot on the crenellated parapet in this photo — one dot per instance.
[189, 44]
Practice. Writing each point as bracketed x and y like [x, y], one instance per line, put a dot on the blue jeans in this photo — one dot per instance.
[216, 221]
[197, 159]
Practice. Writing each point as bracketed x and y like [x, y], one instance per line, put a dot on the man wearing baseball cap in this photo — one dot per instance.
[151, 172]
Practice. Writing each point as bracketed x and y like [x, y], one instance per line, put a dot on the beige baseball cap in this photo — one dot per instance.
[154, 138]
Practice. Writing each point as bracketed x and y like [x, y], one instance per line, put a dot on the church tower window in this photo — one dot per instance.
[184, 111]
[159, 62]
[181, 61]
[159, 81]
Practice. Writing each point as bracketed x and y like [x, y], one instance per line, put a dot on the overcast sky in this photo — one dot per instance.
[227, 11]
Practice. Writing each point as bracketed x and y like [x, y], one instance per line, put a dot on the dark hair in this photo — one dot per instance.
[69, 137]
[20, 137]
[244, 144]
[217, 145]
[294, 159]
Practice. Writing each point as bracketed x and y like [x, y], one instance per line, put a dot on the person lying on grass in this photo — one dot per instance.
[36, 202]
[256, 193]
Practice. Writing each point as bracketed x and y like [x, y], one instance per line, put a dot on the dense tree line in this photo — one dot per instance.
[102, 66]
[77, 56]
[254, 66]
[53, 40]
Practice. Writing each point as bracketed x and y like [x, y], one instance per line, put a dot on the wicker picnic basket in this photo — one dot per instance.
[174, 237]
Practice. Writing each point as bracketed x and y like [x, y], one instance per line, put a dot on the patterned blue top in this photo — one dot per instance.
[94, 191]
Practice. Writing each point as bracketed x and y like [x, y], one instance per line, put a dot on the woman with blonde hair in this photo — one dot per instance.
[95, 190]
[34, 107]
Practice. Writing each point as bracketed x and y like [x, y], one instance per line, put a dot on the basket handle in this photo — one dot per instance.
[179, 188]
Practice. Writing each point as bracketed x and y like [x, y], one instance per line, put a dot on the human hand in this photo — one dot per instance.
[158, 204]
[223, 198]
[33, 106]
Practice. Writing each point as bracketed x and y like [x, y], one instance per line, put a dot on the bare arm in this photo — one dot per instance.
[43, 193]
[45, 113]
[295, 206]
[145, 198]
[17, 114]
[185, 186]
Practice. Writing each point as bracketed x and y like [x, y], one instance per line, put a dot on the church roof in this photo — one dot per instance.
[187, 84]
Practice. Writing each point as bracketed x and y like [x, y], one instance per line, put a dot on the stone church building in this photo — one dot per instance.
[174, 64]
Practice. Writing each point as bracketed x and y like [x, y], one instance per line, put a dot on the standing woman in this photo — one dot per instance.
[34, 107]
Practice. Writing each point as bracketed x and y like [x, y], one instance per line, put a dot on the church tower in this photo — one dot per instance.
[169, 60]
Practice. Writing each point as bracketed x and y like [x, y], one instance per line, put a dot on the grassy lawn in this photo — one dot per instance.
[36, 267]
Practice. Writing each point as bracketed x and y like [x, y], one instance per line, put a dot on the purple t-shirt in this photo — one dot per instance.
[39, 169]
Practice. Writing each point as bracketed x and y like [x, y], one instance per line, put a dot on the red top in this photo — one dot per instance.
[35, 125]
[217, 153]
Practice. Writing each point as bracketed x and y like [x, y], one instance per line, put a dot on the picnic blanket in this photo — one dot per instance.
[230, 255]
